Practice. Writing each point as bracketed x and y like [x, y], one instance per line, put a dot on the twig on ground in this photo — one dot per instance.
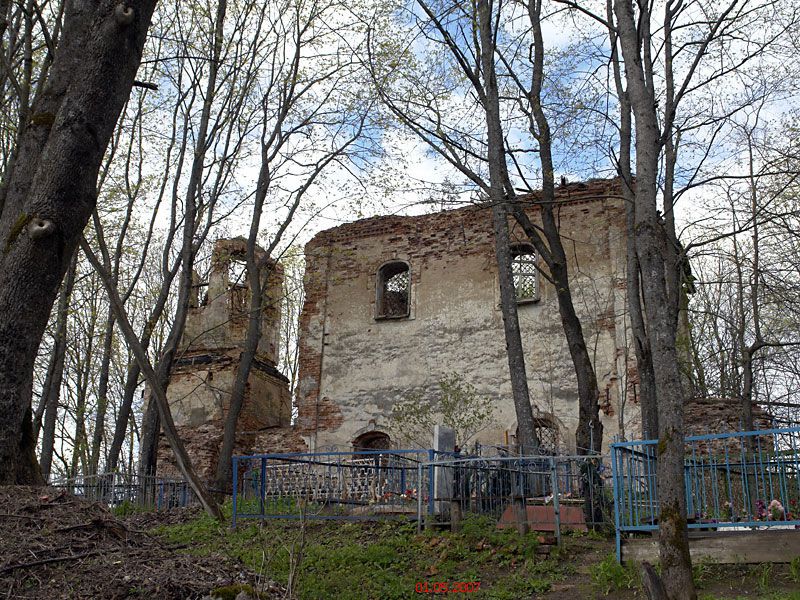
[45, 561]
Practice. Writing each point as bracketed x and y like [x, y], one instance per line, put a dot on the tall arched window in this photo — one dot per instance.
[523, 270]
[393, 291]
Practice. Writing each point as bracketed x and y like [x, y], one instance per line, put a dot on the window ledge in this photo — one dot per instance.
[524, 301]
[391, 317]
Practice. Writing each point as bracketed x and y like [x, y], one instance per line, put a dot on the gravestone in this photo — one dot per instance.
[444, 441]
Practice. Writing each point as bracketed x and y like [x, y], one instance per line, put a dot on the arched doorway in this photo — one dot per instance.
[372, 440]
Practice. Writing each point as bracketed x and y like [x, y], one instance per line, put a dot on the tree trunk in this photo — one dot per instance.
[253, 335]
[644, 360]
[151, 430]
[749, 350]
[747, 391]
[589, 432]
[102, 395]
[152, 422]
[641, 344]
[188, 251]
[526, 436]
[123, 416]
[51, 392]
[58, 352]
[223, 473]
[271, 142]
[132, 380]
[498, 177]
[661, 312]
[51, 194]
[159, 392]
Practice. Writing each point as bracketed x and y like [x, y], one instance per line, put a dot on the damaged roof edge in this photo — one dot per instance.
[582, 192]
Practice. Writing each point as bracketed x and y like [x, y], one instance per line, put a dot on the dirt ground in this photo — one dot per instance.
[57, 546]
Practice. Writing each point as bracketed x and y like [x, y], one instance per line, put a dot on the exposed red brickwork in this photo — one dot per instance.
[280, 439]
[720, 415]
[607, 319]
[605, 397]
[202, 444]
[443, 227]
[703, 416]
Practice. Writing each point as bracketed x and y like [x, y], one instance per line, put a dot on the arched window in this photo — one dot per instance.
[393, 291]
[548, 436]
[523, 270]
[372, 440]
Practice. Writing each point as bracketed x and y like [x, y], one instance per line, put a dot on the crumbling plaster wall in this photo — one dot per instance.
[200, 393]
[354, 367]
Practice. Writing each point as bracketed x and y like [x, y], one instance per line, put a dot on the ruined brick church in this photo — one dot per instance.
[395, 303]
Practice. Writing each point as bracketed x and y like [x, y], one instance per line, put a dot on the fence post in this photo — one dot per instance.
[419, 498]
[520, 510]
[455, 515]
[556, 506]
[431, 479]
[235, 488]
[615, 486]
[263, 490]
[444, 443]
[455, 500]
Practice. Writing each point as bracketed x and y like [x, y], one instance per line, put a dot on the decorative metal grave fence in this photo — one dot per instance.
[117, 489]
[735, 480]
[361, 485]
[546, 493]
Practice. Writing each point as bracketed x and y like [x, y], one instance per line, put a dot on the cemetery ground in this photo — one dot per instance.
[53, 545]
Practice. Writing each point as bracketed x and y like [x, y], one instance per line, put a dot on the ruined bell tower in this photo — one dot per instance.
[203, 373]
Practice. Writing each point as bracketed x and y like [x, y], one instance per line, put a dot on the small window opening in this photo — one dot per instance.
[238, 292]
[523, 270]
[237, 273]
[394, 286]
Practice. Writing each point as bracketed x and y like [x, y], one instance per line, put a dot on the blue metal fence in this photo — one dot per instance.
[555, 491]
[361, 485]
[734, 480]
[116, 489]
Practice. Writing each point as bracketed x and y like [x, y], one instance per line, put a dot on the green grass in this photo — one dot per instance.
[382, 560]
[608, 575]
[127, 508]
[386, 560]
[794, 569]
